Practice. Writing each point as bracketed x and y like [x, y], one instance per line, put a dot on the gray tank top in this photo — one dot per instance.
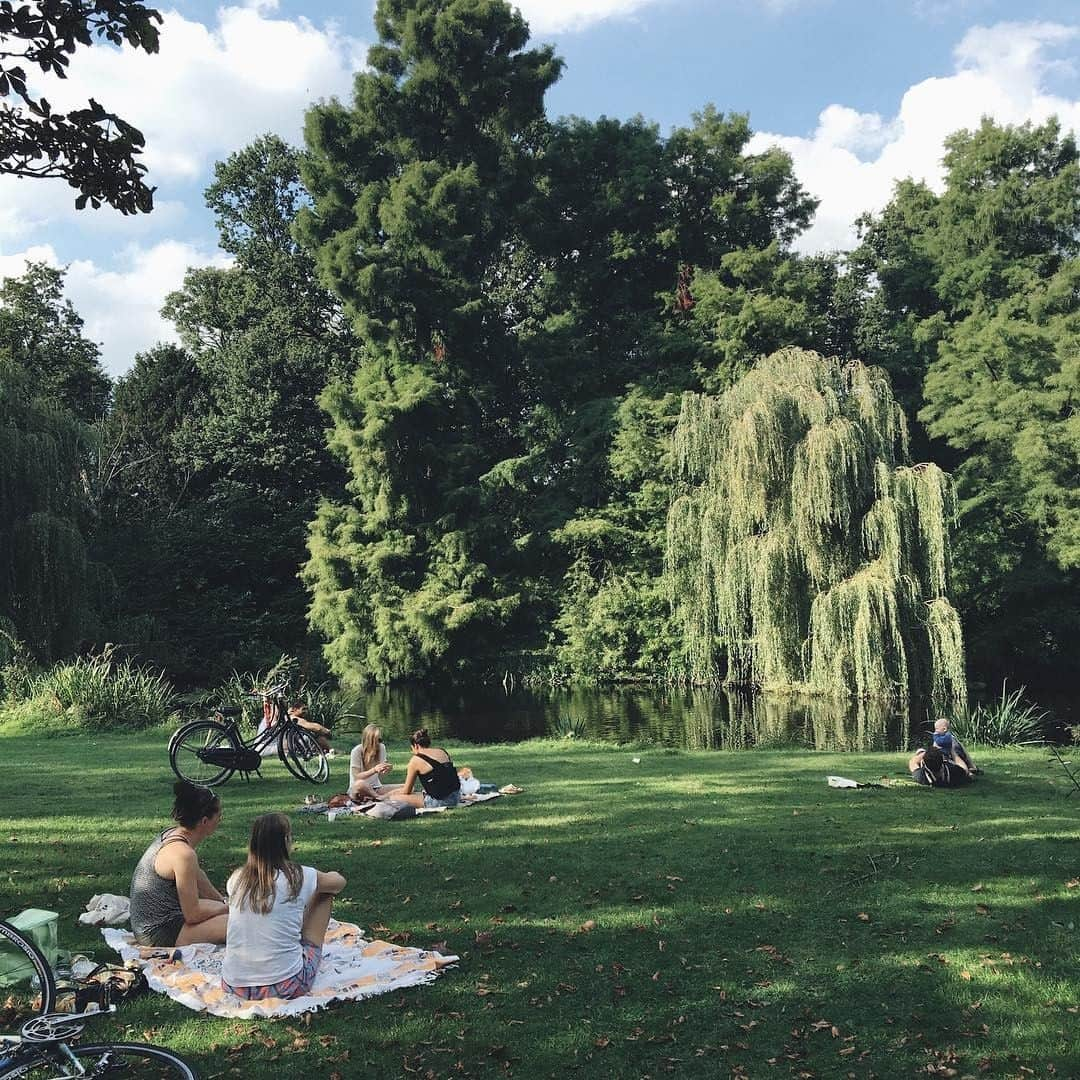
[155, 906]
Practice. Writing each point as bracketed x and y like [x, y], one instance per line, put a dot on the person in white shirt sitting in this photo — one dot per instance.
[278, 914]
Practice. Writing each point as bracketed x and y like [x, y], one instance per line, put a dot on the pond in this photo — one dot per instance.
[686, 718]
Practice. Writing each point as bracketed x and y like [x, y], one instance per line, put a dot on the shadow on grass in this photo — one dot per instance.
[693, 914]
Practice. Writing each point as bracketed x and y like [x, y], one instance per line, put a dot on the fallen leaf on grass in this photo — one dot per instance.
[863, 917]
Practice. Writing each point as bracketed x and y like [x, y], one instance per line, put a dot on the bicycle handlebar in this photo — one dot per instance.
[274, 691]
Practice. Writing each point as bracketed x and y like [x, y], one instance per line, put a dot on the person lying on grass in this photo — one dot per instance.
[435, 771]
[279, 911]
[950, 746]
[299, 712]
[172, 900]
[367, 766]
[929, 767]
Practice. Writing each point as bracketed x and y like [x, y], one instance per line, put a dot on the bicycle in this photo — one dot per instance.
[42, 1050]
[211, 750]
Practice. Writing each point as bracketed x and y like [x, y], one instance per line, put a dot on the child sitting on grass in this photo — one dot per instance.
[950, 747]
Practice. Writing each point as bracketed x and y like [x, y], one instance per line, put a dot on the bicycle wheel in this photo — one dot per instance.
[27, 987]
[303, 756]
[195, 752]
[113, 1061]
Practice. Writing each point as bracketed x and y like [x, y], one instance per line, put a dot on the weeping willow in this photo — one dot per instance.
[803, 548]
[46, 581]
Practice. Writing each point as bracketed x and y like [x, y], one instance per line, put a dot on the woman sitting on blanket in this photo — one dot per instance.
[172, 900]
[367, 765]
[279, 911]
[435, 771]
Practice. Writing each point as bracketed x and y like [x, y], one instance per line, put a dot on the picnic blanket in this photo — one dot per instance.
[390, 810]
[351, 968]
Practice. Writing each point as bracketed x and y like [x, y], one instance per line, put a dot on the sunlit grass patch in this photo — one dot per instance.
[685, 915]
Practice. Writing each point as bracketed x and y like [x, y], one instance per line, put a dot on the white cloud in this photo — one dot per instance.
[852, 160]
[211, 90]
[207, 93]
[121, 306]
[555, 16]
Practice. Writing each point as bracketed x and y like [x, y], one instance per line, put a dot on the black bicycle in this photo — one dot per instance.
[210, 751]
[43, 1048]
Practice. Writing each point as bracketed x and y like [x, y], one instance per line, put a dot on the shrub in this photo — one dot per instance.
[1009, 721]
[570, 727]
[88, 692]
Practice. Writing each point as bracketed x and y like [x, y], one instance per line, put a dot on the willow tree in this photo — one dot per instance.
[46, 581]
[803, 547]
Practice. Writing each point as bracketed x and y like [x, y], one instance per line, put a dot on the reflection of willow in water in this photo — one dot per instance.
[783, 720]
[688, 718]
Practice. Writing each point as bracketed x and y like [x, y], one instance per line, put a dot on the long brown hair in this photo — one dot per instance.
[268, 852]
[370, 741]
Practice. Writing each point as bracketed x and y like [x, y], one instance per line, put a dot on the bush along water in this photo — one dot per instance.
[95, 691]
[1009, 721]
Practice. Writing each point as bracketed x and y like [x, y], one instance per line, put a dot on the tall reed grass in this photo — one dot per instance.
[1009, 721]
[95, 692]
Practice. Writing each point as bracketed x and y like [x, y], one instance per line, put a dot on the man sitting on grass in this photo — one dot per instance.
[929, 767]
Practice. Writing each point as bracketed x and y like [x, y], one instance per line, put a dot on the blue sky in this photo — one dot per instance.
[860, 93]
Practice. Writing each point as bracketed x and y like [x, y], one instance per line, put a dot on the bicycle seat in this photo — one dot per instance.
[231, 710]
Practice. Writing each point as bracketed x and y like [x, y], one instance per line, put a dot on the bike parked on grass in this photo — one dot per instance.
[45, 1047]
[209, 751]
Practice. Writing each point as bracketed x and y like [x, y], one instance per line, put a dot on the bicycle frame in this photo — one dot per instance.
[245, 755]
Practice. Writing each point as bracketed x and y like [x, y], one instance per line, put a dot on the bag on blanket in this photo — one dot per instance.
[392, 811]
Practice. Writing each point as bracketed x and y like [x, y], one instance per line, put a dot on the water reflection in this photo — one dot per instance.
[692, 719]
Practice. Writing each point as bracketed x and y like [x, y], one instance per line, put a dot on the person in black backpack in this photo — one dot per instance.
[929, 767]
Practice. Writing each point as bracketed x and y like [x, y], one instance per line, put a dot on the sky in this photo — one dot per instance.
[861, 94]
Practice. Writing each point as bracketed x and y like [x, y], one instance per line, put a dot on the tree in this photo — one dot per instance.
[93, 149]
[220, 444]
[803, 549]
[48, 586]
[418, 193]
[978, 291]
[42, 333]
[669, 269]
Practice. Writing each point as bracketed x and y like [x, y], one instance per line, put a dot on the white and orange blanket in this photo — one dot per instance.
[351, 968]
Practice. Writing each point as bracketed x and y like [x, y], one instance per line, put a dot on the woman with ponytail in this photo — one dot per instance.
[172, 900]
[279, 911]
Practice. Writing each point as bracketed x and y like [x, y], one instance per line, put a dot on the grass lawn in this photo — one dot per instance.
[697, 914]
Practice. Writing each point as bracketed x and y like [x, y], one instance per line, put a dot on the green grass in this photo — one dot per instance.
[697, 914]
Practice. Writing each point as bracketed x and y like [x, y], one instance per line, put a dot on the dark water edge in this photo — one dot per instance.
[679, 717]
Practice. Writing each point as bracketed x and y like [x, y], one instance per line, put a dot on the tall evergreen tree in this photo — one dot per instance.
[418, 189]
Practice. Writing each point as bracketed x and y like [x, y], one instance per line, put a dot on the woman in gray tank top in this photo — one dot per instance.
[172, 900]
